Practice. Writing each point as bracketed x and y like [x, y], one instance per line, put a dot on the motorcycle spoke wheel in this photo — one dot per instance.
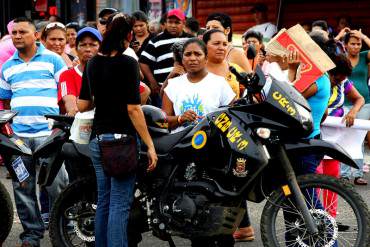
[282, 223]
[73, 215]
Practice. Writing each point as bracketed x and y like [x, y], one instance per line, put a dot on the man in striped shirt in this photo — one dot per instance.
[28, 84]
[156, 61]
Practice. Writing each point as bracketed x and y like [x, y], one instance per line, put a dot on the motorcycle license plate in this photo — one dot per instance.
[20, 169]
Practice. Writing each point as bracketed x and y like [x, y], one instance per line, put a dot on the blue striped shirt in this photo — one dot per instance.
[32, 88]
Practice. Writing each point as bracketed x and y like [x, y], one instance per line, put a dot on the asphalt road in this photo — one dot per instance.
[150, 241]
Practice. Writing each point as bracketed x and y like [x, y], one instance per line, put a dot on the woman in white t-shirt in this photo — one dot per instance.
[191, 96]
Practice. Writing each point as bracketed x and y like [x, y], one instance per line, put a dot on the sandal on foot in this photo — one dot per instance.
[360, 181]
[244, 234]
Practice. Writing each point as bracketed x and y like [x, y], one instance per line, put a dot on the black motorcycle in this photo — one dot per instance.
[56, 150]
[207, 171]
[10, 145]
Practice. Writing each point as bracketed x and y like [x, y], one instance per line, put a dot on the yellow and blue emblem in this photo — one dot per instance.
[199, 139]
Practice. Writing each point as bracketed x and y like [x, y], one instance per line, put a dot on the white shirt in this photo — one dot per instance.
[130, 52]
[202, 97]
[267, 29]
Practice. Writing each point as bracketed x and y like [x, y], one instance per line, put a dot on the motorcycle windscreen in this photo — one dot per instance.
[292, 95]
[288, 105]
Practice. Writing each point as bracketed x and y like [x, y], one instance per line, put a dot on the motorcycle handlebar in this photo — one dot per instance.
[61, 118]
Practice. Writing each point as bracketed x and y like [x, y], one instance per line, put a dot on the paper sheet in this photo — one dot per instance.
[350, 139]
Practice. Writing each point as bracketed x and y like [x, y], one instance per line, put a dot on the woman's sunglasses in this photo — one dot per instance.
[55, 25]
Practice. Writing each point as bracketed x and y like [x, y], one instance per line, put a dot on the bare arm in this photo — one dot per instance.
[293, 65]
[84, 105]
[310, 91]
[237, 56]
[358, 34]
[167, 107]
[175, 121]
[358, 101]
[70, 103]
[145, 69]
[137, 118]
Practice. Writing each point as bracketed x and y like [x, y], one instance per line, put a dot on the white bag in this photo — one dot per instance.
[81, 127]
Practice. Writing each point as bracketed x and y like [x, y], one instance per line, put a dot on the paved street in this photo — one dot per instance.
[149, 241]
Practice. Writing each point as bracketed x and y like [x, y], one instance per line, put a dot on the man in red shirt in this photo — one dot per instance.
[87, 45]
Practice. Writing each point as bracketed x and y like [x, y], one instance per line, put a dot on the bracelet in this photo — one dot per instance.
[179, 119]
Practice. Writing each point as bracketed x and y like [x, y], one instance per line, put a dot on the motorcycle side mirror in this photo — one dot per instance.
[251, 51]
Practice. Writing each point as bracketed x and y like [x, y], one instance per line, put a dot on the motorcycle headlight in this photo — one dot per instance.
[306, 117]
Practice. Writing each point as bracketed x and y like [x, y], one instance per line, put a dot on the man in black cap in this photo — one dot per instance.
[267, 29]
[103, 18]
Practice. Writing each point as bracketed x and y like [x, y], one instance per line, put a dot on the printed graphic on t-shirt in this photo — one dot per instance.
[194, 103]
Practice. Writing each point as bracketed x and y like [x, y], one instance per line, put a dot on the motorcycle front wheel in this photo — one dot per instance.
[340, 214]
[73, 215]
[6, 213]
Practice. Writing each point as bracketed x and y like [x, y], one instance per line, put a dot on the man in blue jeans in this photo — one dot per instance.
[28, 85]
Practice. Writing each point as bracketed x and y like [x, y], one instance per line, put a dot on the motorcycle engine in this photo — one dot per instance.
[190, 208]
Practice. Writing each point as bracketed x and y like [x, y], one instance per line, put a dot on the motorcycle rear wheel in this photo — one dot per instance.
[286, 227]
[73, 213]
[6, 213]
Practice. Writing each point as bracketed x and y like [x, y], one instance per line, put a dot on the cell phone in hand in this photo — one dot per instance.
[135, 43]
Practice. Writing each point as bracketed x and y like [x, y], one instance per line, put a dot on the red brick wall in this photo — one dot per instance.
[294, 11]
[239, 10]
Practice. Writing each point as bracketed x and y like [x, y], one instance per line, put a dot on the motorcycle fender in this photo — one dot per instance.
[14, 145]
[320, 147]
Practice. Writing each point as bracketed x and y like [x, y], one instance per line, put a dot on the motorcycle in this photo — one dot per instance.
[207, 171]
[10, 145]
[56, 150]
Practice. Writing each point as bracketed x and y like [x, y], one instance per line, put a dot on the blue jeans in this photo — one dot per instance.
[345, 170]
[26, 199]
[115, 197]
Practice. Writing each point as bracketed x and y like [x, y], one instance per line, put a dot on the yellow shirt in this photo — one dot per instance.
[231, 79]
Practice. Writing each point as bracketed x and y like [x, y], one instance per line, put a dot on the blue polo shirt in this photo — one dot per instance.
[32, 88]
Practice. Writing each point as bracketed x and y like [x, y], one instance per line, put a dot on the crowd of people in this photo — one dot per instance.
[128, 60]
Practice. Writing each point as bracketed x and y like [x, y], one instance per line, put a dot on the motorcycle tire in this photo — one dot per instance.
[80, 192]
[6, 213]
[327, 223]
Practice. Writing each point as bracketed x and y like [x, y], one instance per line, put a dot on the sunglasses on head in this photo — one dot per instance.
[55, 25]
[103, 21]
[72, 25]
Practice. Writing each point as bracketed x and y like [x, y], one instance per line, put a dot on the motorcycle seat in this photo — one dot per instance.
[163, 144]
[74, 150]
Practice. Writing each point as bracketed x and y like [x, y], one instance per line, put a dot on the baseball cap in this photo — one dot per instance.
[176, 13]
[88, 31]
[259, 7]
[107, 11]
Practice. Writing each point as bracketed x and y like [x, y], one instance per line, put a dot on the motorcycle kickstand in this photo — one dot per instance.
[171, 242]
